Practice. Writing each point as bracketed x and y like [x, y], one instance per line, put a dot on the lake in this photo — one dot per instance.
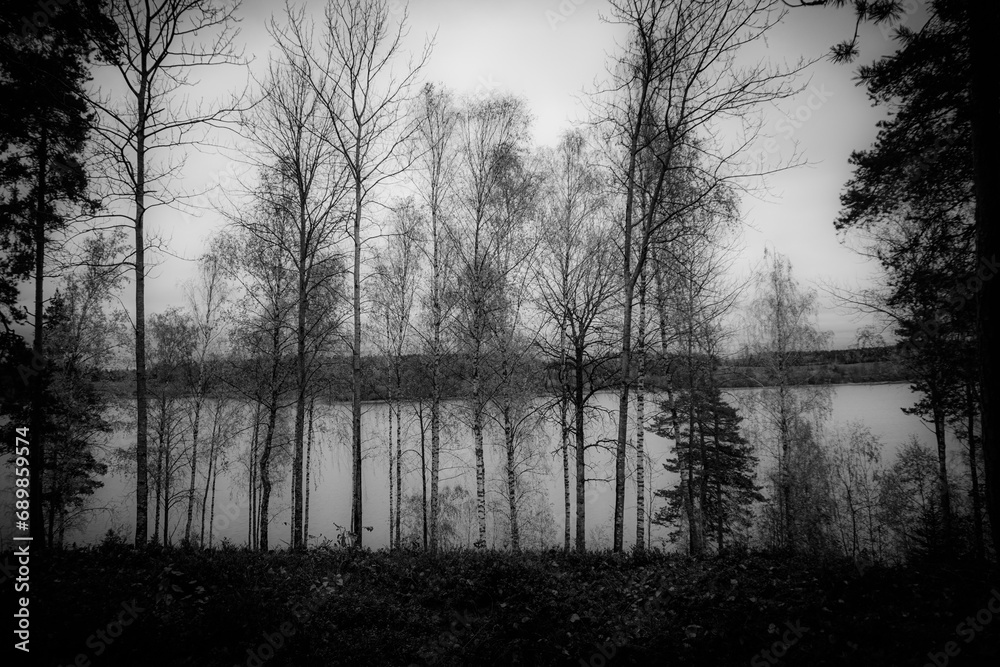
[877, 405]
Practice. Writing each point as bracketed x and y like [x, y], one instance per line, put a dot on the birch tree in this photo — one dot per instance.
[262, 337]
[434, 170]
[781, 329]
[490, 132]
[397, 276]
[173, 338]
[575, 287]
[206, 298]
[355, 76]
[517, 201]
[290, 128]
[153, 48]
[675, 80]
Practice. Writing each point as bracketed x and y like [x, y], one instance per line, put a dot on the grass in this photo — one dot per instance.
[344, 607]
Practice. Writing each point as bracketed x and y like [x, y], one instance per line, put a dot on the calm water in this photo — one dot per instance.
[877, 405]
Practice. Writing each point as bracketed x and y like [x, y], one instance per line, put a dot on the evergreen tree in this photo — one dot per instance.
[44, 124]
[912, 196]
[712, 458]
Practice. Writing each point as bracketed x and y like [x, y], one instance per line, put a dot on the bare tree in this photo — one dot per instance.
[397, 275]
[434, 171]
[263, 336]
[225, 416]
[491, 133]
[576, 282]
[291, 128]
[780, 330]
[676, 78]
[354, 80]
[173, 350]
[206, 298]
[517, 199]
[856, 465]
[154, 48]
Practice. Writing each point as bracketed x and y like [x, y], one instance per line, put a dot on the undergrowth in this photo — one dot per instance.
[358, 607]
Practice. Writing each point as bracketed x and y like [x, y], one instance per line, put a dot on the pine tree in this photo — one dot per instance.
[712, 458]
[44, 124]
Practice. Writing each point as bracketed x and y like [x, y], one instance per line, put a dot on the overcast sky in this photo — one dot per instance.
[551, 53]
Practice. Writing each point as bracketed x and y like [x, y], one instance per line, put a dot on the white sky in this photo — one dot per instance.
[520, 46]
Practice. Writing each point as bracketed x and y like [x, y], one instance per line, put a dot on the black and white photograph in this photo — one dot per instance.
[499, 332]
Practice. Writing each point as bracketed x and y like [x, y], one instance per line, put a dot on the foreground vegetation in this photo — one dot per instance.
[357, 607]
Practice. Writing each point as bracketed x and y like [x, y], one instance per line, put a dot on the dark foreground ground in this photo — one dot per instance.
[114, 606]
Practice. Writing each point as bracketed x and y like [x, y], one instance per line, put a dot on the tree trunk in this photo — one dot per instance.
[309, 446]
[211, 467]
[694, 534]
[944, 488]
[694, 423]
[423, 472]
[718, 501]
[508, 433]
[300, 396]
[167, 444]
[62, 529]
[785, 474]
[640, 426]
[626, 370]
[565, 397]
[629, 283]
[141, 417]
[265, 473]
[985, 107]
[564, 432]
[159, 473]
[194, 468]
[356, 496]
[477, 435]
[36, 451]
[265, 456]
[435, 378]
[392, 480]
[252, 532]
[211, 519]
[977, 510]
[581, 469]
[399, 458]
[703, 525]
[55, 500]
